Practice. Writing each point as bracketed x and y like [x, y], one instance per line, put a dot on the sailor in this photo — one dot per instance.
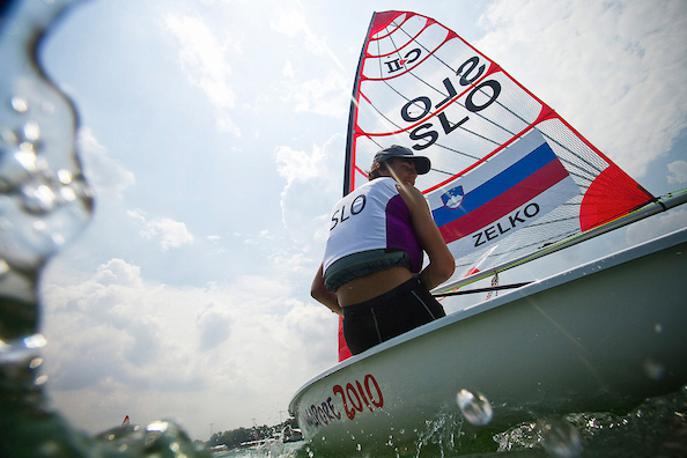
[372, 269]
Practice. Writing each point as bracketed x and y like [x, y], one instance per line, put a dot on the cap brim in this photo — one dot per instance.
[422, 164]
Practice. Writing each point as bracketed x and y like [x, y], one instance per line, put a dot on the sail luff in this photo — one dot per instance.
[349, 161]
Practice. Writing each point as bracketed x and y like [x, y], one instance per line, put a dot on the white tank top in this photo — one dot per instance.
[372, 217]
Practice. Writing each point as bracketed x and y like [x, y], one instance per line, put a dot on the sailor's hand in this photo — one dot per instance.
[411, 195]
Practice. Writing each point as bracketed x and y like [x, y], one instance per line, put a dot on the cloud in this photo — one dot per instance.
[214, 325]
[615, 70]
[154, 351]
[107, 176]
[677, 172]
[205, 59]
[313, 184]
[169, 233]
[294, 24]
[326, 96]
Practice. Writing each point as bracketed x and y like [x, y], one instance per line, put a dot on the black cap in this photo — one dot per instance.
[422, 163]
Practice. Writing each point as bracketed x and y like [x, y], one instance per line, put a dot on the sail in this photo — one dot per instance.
[509, 175]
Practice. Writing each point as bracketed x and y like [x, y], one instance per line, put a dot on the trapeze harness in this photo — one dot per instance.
[370, 231]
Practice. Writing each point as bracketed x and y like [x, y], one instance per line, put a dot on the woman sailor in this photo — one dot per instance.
[372, 268]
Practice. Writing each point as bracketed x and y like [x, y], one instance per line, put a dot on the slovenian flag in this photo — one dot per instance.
[505, 194]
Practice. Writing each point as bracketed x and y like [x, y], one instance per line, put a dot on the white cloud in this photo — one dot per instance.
[107, 176]
[326, 96]
[154, 351]
[170, 234]
[294, 24]
[615, 70]
[677, 172]
[205, 58]
[313, 184]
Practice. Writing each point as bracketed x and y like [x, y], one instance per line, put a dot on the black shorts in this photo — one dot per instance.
[405, 307]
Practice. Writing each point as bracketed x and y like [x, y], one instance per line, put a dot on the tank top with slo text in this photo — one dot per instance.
[372, 217]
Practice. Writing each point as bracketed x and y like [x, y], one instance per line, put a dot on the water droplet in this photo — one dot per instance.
[475, 407]
[31, 131]
[9, 137]
[35, 341]
[560, 438]
[35, 363]
[157, 426]
[4, 268]
[27, 159]
[19, 104]
[67, 194]
[658, 328]
[38, 199]
[653, 369]
[65, 176]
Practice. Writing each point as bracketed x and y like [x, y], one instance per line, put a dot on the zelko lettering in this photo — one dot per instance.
[426, 134]
[503, 226]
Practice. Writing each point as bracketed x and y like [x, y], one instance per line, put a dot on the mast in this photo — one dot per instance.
[348, 166]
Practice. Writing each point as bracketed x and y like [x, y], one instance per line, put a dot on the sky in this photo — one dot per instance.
[213, 134]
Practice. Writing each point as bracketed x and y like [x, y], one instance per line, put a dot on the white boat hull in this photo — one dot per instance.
[600, 337]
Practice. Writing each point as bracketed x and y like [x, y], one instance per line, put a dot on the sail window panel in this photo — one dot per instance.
[454, 53]
[575, 155]
[513, 109]
[380, 118]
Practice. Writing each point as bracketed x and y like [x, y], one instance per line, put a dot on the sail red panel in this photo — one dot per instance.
[611, 195]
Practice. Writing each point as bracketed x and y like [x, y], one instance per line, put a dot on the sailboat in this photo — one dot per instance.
[511, 182]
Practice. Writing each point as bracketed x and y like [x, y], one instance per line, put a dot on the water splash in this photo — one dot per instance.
[475, 407]
[44, 202]
[560, 439]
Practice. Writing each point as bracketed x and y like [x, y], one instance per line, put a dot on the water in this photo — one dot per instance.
[45, 201]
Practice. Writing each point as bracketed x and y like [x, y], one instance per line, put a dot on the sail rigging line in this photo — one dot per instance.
[442, 171]
[559, 220]
[485, 289]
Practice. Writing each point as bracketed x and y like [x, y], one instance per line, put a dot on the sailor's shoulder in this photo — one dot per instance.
[384, 185]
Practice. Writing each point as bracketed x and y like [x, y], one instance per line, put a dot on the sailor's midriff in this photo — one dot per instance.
[371, 286]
